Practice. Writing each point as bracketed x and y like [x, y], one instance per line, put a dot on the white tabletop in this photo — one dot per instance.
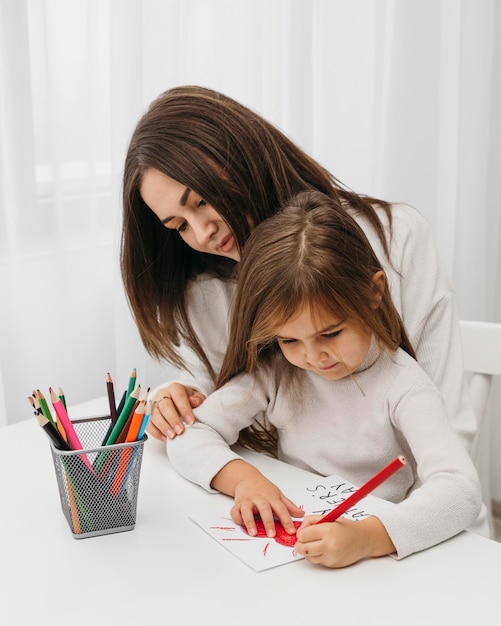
[167, 570]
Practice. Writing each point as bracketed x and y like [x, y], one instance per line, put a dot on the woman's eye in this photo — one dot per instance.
[182, 227]
[284, 341]
[201, 202]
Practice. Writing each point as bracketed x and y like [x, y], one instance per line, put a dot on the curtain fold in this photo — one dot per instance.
[398, 99]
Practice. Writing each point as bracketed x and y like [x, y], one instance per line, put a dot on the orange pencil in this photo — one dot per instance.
[135, 424]
[125, 457]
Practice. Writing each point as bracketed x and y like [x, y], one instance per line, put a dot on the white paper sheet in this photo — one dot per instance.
[319, 496]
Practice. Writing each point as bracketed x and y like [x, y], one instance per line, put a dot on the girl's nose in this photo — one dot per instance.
[316, 355]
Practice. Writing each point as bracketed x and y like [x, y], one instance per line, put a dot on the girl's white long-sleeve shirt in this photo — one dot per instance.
[331, 427]
[421, 292]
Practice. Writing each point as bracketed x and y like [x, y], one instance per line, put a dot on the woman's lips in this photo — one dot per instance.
[226, 244]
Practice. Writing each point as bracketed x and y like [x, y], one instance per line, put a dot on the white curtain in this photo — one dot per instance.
[398, 98]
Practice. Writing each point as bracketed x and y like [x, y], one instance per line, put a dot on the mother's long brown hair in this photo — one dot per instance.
[242, 165]
[314, 254]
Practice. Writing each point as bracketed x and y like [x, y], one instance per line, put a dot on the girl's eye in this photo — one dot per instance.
[283, 341]
[201, 202]
[332, 335]
[182, 227]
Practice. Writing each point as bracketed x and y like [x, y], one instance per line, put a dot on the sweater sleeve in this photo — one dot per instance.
[204, 449]
[446, 497]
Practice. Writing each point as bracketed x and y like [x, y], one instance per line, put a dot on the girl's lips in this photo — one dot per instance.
[327, 368]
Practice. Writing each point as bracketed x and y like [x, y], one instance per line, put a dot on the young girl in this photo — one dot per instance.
[201, 172]
[318, 347]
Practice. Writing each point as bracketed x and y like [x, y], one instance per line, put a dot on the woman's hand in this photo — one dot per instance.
[173, 410]
[343, 542]
[255, 495]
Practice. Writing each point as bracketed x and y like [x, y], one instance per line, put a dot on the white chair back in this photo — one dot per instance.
[482, 359]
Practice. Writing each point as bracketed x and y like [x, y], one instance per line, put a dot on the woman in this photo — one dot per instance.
[201, 171]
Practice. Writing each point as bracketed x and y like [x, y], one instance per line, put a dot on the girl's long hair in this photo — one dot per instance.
[310, 254]
[239, 163]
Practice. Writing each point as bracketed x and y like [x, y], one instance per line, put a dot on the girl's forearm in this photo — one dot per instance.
[231, 475]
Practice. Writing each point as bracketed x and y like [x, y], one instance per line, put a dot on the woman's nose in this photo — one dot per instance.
[204, 231]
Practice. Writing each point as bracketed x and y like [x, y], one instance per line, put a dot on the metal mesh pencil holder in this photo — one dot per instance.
[98, 485]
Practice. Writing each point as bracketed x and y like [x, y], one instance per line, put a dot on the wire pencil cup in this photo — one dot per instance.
[98, 485]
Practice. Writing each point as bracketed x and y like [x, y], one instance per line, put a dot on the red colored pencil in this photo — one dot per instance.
[62, 415]
[364, 490]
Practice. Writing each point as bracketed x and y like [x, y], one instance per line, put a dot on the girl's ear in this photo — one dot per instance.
[378, 283]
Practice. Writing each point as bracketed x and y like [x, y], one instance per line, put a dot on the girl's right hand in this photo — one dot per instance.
[255, 495]
[173, 410]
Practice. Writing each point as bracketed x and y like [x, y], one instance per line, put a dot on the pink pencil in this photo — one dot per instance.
[364, 490]
[62, 415]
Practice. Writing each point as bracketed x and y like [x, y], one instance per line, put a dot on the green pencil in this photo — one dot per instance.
[123, 417]
[132, 382]
[115, 431]
[44, 406]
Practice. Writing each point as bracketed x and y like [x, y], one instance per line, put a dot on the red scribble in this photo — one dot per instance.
[266, 549]
[223, 528]
[281, 536]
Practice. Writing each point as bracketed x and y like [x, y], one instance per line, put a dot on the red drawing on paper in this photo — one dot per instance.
[281, 536]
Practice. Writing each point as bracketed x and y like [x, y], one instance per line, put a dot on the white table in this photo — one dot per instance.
[168, 571]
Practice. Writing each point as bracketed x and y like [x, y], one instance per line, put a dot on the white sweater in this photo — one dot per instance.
[332, 428]
[421, 292]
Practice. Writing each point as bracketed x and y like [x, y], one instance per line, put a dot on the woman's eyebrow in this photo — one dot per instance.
[182, 201]
[184, 197]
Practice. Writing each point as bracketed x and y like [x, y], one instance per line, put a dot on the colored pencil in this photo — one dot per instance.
[136, 422]
[127, 455]
[123, 417]
[36, 409]
[364, 490]
[132, 382]
[75, 518]
[122, 437]
[111, 399]
[111, 437]
[122, 402]
[56, 438]
[146, 418]
[52, 432]
[43, 405]
[62, 415]
[123, 433]
[62, 397]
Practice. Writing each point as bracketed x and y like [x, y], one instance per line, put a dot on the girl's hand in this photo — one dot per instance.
[256, 495]
[343, 542]
[173, 410]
